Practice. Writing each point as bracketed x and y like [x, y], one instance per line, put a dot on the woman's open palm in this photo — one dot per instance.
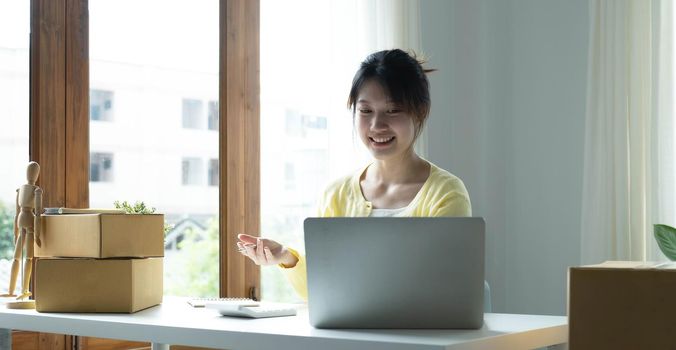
[263, 251]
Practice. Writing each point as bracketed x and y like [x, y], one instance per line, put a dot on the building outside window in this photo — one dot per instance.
[193, 114]
[302, 125]
[293, 125]
[101, 167]
[213, 115]
[192, 171]
[213, 172]
[100, 105]
[289, 176]
[314, 122]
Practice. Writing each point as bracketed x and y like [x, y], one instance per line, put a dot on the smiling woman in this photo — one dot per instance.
[390, 100]
[383, 125]
[392, 103]
[394, 85]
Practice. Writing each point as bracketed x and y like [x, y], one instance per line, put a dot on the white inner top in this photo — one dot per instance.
[384, 213]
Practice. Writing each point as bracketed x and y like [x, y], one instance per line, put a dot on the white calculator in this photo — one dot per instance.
[251, 309]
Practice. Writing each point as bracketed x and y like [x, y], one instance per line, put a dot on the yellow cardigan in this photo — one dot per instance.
[442, 194]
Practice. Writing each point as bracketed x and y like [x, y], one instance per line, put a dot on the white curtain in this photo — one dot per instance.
[629, 148]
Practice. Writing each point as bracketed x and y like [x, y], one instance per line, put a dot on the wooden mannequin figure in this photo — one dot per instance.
[27, 225]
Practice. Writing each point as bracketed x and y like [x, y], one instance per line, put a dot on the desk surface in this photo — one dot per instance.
[175, 322]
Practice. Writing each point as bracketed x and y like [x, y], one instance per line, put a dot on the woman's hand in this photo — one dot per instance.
[265, 251]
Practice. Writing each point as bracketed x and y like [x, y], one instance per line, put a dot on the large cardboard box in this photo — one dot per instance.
[102, 236]
[97, 285]
[622, 305]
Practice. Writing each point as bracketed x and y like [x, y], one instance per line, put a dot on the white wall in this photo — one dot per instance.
[508, 106]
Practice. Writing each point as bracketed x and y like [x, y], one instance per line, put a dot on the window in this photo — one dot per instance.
[101, 167]
[213, 172]
[101, 105]
[192, 114]
[161, 75]
[192, 171]
[150, 64]
[306, 130]
[213, 115]
[14, 127]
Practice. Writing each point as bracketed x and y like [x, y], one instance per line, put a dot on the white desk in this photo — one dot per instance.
[175, 322]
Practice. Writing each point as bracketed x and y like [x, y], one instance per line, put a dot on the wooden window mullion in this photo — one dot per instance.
[59, 100]
[77, 104]
[54, 123]
[47, 97]
[239, 142]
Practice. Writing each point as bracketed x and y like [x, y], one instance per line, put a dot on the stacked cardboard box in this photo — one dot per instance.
[622, 305]
[99, 263]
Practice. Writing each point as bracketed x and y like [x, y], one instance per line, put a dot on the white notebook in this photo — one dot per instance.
[251, 309]
[200, 302]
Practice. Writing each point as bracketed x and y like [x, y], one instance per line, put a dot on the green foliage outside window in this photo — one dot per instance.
[194, 272]
[6, 232]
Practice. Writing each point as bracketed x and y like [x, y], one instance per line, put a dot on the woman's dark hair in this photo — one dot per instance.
[402, 77]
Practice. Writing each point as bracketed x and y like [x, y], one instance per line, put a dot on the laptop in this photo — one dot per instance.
[395, 272]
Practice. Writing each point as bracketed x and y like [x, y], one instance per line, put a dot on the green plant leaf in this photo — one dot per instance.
[666, 240]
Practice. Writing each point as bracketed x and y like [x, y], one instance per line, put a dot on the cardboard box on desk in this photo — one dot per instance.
[622, 305]
[102, 236]
[97, 285]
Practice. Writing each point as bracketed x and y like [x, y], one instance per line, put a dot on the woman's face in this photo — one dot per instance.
[384, 126]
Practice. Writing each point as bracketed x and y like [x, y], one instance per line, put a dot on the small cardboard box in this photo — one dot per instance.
[622, 305]
[102, 236]
[97, 285]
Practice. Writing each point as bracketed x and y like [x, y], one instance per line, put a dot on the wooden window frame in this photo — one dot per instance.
[59, 124]
[239, 143]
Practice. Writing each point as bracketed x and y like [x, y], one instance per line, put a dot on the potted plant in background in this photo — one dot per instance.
[666, 240]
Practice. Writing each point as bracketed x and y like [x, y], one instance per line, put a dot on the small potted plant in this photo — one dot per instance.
[139, 208]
